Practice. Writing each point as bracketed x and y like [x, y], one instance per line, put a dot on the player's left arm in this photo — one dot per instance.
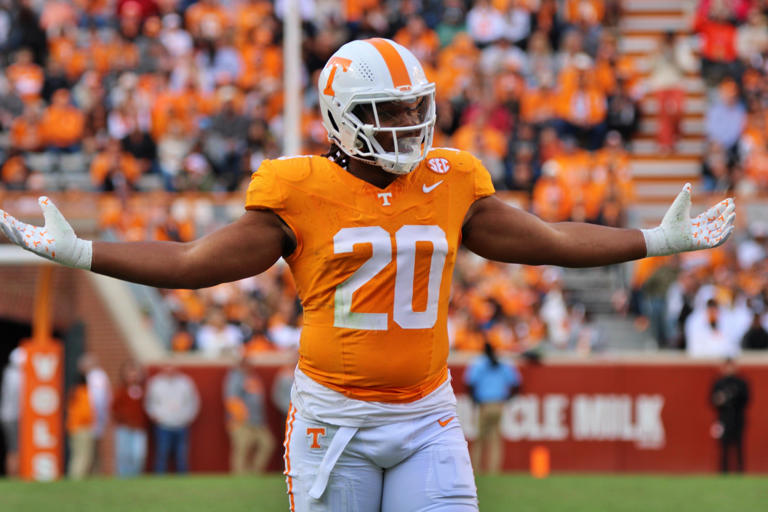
[501, 232]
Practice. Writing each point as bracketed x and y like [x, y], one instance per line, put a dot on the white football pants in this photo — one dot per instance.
[408, 466]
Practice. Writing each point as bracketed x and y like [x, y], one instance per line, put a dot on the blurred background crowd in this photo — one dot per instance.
[157, 102]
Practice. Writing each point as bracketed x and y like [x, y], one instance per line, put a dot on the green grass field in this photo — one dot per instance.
[517, 493]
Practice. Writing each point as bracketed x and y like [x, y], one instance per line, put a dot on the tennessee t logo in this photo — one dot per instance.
[314, 432]
[384, 196]
[335, 62]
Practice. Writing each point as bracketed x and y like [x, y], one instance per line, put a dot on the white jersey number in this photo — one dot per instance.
[381, 255]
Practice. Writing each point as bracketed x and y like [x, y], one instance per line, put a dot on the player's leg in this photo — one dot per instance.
[265, 445]
[123, 451]
[238, 443]
[181, 449]
[139, 451]
[495, 442]
[437, 477]
[354, 484]
[162, 448]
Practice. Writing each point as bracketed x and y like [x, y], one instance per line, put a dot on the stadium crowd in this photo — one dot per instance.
[734, 62]
[152, 100]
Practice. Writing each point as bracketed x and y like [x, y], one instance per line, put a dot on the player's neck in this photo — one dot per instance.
[370, 173]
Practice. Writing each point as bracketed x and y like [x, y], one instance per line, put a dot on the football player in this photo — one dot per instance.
[370, 231]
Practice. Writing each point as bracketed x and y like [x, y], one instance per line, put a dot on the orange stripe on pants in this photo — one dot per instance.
[287, 457]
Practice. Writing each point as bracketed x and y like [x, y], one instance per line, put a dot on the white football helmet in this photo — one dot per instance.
[378, 105]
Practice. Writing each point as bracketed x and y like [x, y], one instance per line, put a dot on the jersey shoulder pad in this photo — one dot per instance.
[445, 160]
[267, 187]
[292, 168]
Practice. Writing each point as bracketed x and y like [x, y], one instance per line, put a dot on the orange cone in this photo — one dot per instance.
[540, 462]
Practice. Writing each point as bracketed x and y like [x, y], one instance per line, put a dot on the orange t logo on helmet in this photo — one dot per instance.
[335, 61]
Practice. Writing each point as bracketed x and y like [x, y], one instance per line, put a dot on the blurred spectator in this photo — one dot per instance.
[11, 105]
[551, 199]
[10, 409]
[726, 117]
[216, 336]
[62, 124]
[130, 421]
[224, 142]
[623, 114]
[518, 17]
[25, 130]
[752, 38]
[705, 334]
[172, 147]
[143, 149]
[582, 110]
[55, 78]
[283, 383]
[81, 420]
[586, 336]
[756, 338]
[554, 312]
[718, 43]
[27, 32]
[100, 395]
[14, 172]
[285, 327]
[245, 402]
[451, 22]
[716, 171]
[654, 294]
[491, 383]
[172, 403]
[114, 169]
[680, 301]
[176, 40]
[419, 38]
[25, 76]
[485, 23]
[666, 83]
[540, 60]
[730, 396]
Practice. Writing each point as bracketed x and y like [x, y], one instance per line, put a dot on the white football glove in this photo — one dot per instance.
[678, 232]
[55, 241]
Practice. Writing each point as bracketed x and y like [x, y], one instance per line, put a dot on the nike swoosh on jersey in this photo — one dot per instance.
[428, 189]
[445, 422]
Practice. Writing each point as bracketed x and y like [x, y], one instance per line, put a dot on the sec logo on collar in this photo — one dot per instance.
[439, 165]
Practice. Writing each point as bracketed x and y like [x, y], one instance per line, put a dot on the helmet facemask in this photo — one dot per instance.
[393, 133]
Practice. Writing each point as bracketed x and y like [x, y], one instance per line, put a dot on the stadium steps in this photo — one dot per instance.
[594, 288]
[658, 178]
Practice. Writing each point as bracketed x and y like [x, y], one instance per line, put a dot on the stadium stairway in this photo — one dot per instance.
[594, 288]
[659, 178]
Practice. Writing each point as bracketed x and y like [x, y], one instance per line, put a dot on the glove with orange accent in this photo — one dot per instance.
[678, 232]
[55, 241]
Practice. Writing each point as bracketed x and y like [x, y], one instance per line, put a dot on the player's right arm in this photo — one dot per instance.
[246, 247]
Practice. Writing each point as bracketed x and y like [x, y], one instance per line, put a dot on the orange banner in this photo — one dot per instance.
[40, 430]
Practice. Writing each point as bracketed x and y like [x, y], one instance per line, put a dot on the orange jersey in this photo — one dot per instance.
[373, 267]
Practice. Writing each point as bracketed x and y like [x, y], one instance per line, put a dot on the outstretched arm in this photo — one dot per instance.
[248, 246]
[500, 232]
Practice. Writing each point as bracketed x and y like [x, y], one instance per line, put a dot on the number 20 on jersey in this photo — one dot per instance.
[380, 240]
